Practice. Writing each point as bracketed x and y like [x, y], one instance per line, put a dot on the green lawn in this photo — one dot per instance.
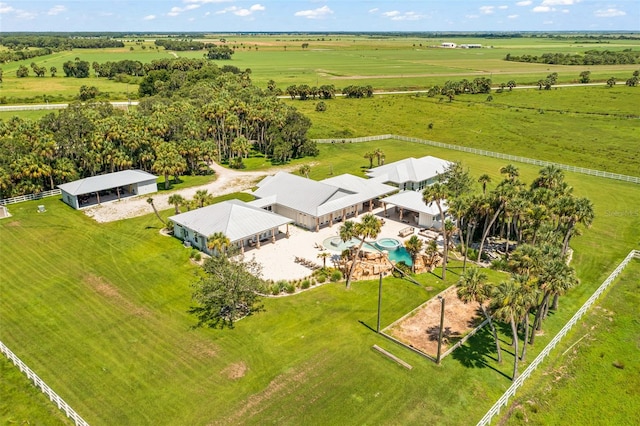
[596, 365]
[111, 300]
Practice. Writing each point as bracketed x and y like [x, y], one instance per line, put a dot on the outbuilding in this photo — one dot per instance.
[100, 189]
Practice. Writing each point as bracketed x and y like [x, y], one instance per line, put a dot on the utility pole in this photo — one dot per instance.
[440, 332]
[379, 302]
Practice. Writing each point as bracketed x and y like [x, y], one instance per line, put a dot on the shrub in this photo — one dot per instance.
[322, 277]
[275, 289]
[197, 257]
[290, 288]
[500, 265]
[321, 107]
[305, 284]
[336, 276]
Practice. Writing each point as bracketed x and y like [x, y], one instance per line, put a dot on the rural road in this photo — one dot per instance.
[121, 104]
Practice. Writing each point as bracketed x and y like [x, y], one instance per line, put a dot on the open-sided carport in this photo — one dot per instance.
[99, 189]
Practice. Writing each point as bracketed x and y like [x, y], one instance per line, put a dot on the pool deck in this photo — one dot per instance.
[278, 259]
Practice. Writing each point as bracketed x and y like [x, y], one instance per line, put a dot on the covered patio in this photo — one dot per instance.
[409, 208]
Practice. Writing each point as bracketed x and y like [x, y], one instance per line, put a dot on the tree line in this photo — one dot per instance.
[22, 47]
[176, 132]
[453, 88]
[590, 57]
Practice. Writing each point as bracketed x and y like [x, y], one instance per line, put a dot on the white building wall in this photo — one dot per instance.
[147, 187]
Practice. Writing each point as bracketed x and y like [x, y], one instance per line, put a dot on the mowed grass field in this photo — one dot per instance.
[386, 63]
[99, 311]
[597, 365]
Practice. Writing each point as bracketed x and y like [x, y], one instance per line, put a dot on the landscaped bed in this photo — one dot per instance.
[419, 329]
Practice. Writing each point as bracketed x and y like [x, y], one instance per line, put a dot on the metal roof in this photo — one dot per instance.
[410, 169]
[318, 198]
[107, 181]
[234, 218]
[412, 200]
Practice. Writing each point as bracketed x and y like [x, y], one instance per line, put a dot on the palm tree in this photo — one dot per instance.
[511, 171]
[369, 156]
[527, 296]
[501, 196]
[437, 193]
[218, 243]
[168, 162]
[582, 212]
[304, 170]
[177, 200]
[473, 287]
[506, 304]
[413, 246]
[379, 155]
[484, 180]
[201, 197]
[324, 255]
[153, 206]
[368, 227]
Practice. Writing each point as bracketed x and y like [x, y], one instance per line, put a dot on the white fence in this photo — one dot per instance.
[599, 173]
[504, 399]
[70, 412]
[29, 197]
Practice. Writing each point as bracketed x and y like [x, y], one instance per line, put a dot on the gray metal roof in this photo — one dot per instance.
[412, 200]
[234, 218]
[107, 181]
[318, 198]
[410, 169]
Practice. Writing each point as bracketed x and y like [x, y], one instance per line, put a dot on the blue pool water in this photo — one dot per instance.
[337, 245]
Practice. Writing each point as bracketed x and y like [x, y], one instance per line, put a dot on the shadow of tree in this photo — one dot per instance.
[476, 352]
[447, 335]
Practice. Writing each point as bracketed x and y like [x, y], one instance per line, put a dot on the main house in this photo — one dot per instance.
[312, 204]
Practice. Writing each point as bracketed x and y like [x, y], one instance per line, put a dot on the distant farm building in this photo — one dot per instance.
[448, 45]
[471, 46]
[100, 189]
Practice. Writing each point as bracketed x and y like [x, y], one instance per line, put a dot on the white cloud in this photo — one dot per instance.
[548, 22]
[318, 13]
[175, 11]
[524, 3]
[513, 16]
[543, 9]
[206, 1]
[56, 10]
[487, 10]
[239, 11]
[5, 8]
[396, 15]
[503, 7]
[149, 18]
[374, 10]
[559, 2]
[472, 16]
[609, 13]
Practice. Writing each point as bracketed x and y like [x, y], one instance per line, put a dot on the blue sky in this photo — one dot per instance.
[319, 15]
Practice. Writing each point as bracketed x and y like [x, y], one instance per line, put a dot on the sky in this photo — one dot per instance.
[318, 15]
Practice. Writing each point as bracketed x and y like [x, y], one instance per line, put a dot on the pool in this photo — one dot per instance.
[396, 254]
[389, 244]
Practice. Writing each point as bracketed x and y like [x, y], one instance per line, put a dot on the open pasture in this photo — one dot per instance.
[111, 300]
[597, 365]
[386, 63]
[587, 127]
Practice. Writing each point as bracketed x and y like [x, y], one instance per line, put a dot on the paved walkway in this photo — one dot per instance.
[227, 181]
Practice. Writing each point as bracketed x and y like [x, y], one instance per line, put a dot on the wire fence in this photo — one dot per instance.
[511, 391]
[30, 197]
[39, 383]
[583, 170]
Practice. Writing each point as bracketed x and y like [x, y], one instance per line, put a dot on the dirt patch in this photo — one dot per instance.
[235, 371]
[15, 223]
[421, 327]
[285, 385]
[107, 290]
